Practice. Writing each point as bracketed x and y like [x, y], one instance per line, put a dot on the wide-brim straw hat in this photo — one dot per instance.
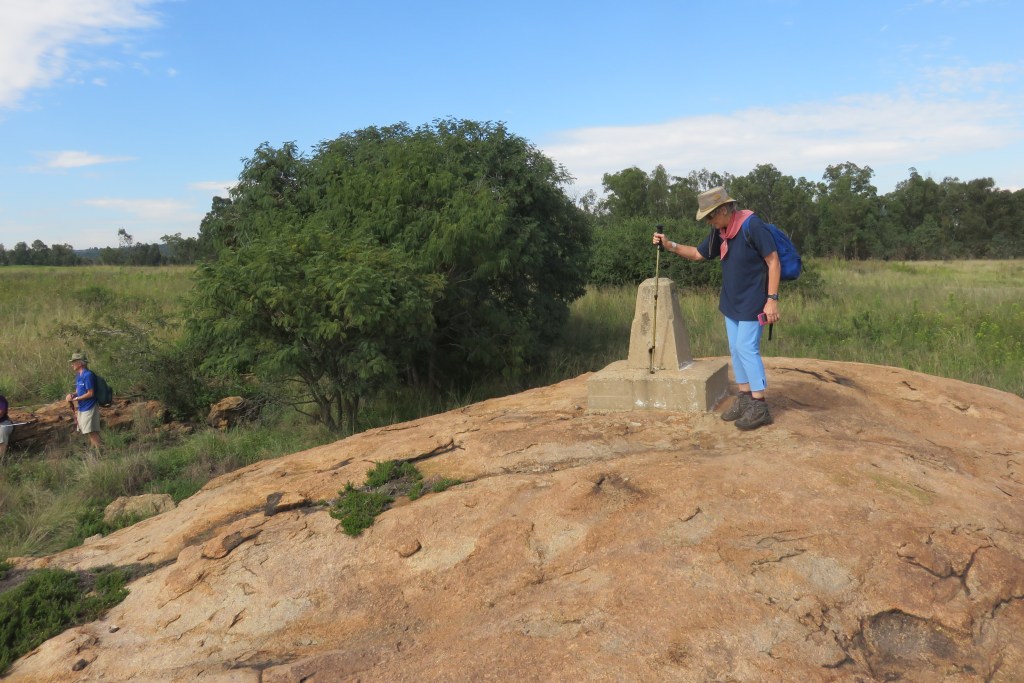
[79, 357]
[711, 200]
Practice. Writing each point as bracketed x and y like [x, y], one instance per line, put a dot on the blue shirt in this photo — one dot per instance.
[744, 272]
[83, 383]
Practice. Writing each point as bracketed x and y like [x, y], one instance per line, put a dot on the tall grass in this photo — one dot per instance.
[39, 301]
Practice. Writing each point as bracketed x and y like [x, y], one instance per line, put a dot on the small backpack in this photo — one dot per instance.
[103, 393]
[789, 258]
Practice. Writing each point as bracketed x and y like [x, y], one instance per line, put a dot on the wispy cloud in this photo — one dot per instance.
[37, 37]
[973, 79]
[801, 140]
[74, 159]
[147, 209]
[214, 186]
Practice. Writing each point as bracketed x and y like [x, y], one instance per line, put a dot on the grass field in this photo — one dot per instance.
[39, 302]
[963, 320]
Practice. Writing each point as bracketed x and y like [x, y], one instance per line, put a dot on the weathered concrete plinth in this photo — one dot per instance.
[659, 373]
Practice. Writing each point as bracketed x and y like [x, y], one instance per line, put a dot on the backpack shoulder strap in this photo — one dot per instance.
[746, 233]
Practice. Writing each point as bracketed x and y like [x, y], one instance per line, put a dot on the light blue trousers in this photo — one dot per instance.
[745, 347]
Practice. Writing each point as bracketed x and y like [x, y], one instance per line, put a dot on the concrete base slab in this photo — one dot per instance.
[697, 387]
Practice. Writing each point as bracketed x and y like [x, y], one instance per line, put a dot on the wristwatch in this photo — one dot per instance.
[773, 296]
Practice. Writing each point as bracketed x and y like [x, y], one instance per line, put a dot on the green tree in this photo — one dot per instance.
[482, 208]
[63, 255]
[217, 228]
[633, 193]
[342, 317]
[778, 199]
[1007, 223]
[905, 210]
[703, 180]
[20, 255]
[40, 254]
[627, 193]
[181, 250]
[464, 204]
[927, 239]
[849, 214]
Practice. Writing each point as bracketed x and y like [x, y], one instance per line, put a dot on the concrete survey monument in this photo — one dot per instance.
[659, 373]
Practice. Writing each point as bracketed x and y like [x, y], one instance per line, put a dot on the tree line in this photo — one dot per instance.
[841, 216]
[173, 250]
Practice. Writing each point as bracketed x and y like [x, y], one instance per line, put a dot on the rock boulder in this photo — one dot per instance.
[142, 506]
[231, 411]
[54, 423]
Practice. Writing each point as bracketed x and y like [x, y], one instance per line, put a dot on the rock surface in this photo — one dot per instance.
[145, 505]
[231, 411]
[874, 532]
[54, 423]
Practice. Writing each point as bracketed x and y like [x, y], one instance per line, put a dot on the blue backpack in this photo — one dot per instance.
[789, 258]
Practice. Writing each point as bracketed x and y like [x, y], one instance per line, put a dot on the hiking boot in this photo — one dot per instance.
[756, 415]
[738, 407]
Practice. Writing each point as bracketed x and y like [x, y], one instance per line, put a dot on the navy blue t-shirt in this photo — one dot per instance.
[744, 272]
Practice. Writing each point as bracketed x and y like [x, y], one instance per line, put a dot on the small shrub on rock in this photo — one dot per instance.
[52, 600]
[357, 508]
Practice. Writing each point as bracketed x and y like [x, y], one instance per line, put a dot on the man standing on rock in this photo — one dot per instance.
[750, 294]
[85, 395]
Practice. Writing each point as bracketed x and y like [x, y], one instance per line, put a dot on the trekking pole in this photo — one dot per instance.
[660, 229]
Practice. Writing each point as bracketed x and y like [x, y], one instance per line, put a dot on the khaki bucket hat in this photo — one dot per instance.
[711, 200]
[77, 356]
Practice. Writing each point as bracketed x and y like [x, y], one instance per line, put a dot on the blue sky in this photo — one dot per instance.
[134, 113]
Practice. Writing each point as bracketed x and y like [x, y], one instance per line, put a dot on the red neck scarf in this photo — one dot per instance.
[731, 230]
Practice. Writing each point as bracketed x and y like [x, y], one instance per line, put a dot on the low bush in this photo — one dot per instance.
[358, 508]
[49, 601]
[392, 470]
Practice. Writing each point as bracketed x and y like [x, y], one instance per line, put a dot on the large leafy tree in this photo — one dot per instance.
[483, 209]
[340, 316]
[467, 213]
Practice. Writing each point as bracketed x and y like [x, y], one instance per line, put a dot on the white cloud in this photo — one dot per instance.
[36, 37]
[147, 209]
[978, 79]
[800, 140]
[219, 187]
[75, 159]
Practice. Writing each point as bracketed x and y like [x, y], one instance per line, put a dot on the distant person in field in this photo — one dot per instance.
[85, 397]
[6, 428]
[749, 298]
